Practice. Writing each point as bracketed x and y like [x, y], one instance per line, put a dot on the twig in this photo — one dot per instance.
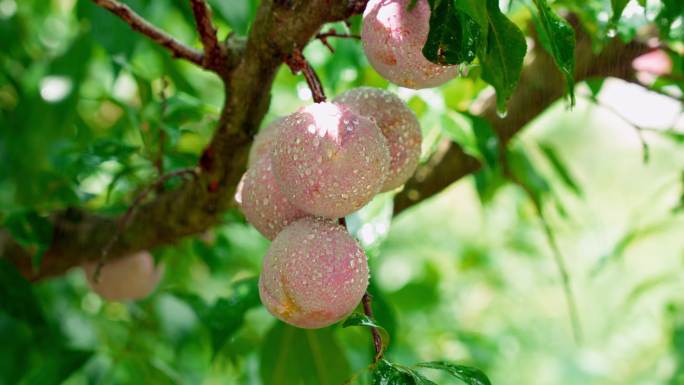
[213, 55]
[377, 339]
[297, 64]
[125, 219]
[323, 37]
[558, 258]
[565, 276]
[139, 24]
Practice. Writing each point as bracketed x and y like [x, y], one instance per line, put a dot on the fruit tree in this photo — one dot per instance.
[340, 191]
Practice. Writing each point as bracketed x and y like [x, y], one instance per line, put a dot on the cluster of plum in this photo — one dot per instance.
[308, 169]
[328, 160]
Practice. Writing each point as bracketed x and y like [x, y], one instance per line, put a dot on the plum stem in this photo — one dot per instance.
[377, 339]
[298, 63]
[368, 311]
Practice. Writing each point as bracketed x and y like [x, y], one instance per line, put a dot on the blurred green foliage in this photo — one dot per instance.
[466, 277]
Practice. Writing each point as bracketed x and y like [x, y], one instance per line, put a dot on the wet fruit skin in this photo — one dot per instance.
[393, 38]
[314, 274]
[263, 204]
[263, 142]
[397, 123]
[328, 160]
[128, 278]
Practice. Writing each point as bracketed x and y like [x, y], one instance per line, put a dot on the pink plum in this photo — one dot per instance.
[393, 39]
[397, 123]
[128, 278]
[328, 160]
[263, 142]
[314, 274]
[263, 204]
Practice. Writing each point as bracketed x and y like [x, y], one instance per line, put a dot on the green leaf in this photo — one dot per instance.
[558, 38]
[467, 374]
[387, 373]
[360, 319]
[17, 298]
[502, 60]
[292, 355]
[114, 35]
[561, 169]
[31, 231]
[454, 36]
[56, 367]
[238, 14]
[618, 7]
[595, 85]
[475, 135]
[226, 315]
[527, 175]
[670, 11]
[477, 10]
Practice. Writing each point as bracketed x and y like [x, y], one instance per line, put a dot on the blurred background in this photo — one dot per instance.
[468, 276]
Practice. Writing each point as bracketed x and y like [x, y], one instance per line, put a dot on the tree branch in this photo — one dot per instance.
[139, 24]
[323, 37]
[214, 54]
[540, 85]
[80, 236]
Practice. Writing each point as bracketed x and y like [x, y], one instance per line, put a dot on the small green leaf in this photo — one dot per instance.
[360, 319]
[527, 175]
[670, 11]
[226, 315]
[467, 374]
[31, 231]
[502, 60]
[17, 298]
[292, 355]
[237, 14]
[475, 135]
[57, 366]
[618, 7]
[595, 85]
[561, 169]
[559, 41]
[454, 36]
[387, 373]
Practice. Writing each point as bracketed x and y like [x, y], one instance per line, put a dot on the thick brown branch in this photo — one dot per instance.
[214, 53]
[540, 86]
[137, 23]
